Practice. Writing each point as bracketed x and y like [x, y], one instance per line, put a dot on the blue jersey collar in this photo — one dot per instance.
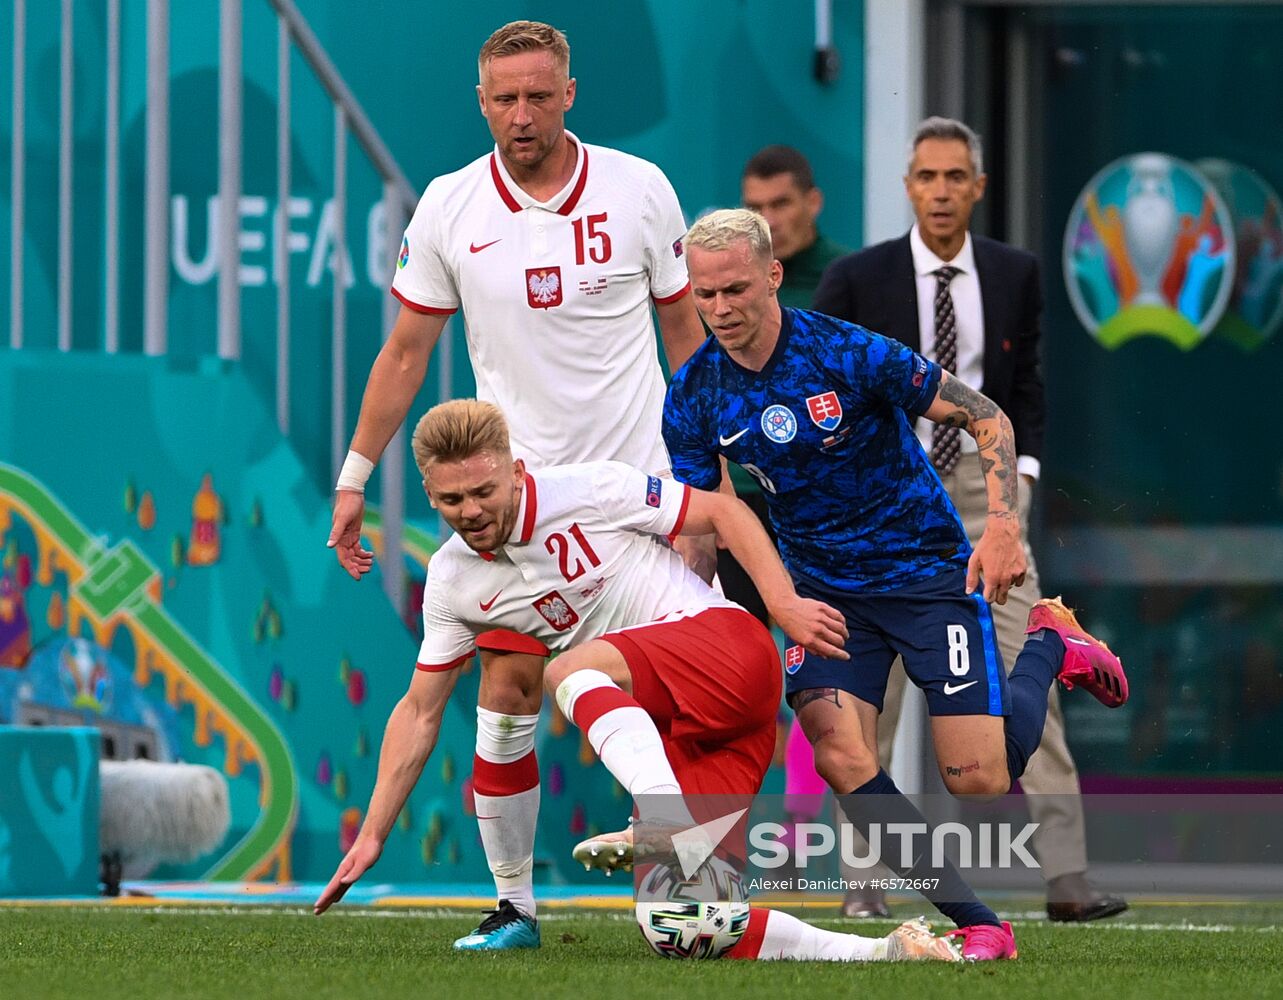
[781, 346]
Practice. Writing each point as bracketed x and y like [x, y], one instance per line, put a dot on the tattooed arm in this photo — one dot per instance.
[999, 556]
[958, 405]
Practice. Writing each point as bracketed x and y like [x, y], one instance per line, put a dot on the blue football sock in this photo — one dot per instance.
[878, 801]
[1029, 681]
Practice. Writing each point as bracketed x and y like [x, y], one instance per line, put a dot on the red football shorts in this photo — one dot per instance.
[712, 683]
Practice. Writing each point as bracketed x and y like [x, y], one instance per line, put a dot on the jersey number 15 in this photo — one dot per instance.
[596, 241]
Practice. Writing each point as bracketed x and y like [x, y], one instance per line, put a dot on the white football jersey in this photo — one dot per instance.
[556, 296]
[589, 555]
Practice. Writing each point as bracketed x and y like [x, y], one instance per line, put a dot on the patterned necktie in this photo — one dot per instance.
[945, 443]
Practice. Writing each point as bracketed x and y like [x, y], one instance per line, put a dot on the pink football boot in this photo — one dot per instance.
[985, 942]
[1088, 662]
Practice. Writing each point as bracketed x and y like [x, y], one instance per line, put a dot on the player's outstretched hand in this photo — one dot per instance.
[998, 559]
[817, 627]
[358, 861]
[345, 533]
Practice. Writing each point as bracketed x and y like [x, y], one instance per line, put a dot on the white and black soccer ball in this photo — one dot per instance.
[703, 917]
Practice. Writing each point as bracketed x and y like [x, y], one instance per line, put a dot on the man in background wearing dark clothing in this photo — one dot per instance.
[973, 304]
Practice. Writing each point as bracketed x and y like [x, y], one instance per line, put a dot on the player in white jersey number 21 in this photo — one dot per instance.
[675, 686]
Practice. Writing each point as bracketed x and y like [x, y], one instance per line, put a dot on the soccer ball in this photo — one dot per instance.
[702, 917]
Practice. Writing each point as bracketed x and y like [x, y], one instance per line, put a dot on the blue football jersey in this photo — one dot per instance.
[826, 428]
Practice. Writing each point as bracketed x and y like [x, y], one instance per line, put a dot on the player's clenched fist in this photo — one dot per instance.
[998, 560]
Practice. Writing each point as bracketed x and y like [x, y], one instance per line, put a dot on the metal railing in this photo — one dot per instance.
[398, 198]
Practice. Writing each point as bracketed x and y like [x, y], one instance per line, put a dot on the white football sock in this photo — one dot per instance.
[506, 794]
[626, 740]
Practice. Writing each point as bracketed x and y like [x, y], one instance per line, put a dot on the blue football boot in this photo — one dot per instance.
[503, 928]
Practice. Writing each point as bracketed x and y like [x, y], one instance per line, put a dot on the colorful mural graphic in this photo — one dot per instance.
[118, 587]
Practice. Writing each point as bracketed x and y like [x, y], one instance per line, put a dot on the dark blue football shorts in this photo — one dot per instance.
[945, 636]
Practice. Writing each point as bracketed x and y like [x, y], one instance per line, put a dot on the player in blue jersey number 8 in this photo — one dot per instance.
[821, 412]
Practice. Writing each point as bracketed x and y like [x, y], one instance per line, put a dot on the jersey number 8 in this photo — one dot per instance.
[959, 655]
[762, 478]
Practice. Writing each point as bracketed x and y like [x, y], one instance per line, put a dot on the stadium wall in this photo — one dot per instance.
[232, 638]
[696, 88]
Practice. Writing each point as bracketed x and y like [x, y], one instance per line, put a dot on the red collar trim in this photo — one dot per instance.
[501, 187]
[572, 199]
[529, 500]
[578, 189]
[487, 556]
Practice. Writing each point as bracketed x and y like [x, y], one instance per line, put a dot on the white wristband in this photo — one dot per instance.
[355, 473]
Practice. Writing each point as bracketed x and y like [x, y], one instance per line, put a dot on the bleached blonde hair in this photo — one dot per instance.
[458, 429]
[724, 228]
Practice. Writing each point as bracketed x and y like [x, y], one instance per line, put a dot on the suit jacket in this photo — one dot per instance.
[877, 288]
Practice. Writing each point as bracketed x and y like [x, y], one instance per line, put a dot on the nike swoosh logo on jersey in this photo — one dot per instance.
[955, 688]
[732, 439]
[473, 248]
[487, 605]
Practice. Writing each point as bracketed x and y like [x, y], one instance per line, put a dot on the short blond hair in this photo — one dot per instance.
[525, 36]
[724, 228]
[457, 430]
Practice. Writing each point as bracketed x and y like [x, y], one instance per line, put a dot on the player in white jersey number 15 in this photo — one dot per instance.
[556, 251]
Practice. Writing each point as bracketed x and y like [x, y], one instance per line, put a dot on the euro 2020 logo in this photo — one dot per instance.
[1149, 250]
[1156, 246]
[1255, 309]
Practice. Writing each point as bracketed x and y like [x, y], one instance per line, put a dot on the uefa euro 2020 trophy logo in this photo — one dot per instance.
[1149, 250]
[1255, 309]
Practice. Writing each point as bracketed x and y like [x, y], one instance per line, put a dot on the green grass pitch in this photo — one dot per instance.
[106, 952]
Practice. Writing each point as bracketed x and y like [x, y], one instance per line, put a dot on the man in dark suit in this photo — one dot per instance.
[973, 304]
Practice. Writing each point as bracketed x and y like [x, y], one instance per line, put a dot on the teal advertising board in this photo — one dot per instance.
[48, 811]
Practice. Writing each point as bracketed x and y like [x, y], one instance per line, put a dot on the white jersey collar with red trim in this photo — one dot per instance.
[527, 510]
[563, 202]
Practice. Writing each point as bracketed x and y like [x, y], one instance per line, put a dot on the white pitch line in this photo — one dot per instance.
[1196, 928]
[451, 914]
[1038, 916]
[261, 910]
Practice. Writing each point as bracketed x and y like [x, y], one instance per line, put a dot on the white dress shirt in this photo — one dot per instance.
[969, 324]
